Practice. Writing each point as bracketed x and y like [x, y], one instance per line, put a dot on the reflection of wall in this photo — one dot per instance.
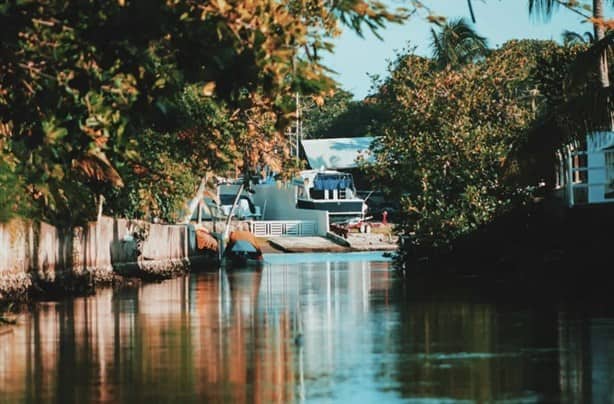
[42, 354]
[207, 340]
[246, 353]
[83, 349]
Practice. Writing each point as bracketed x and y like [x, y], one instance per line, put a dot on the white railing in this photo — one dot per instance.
[273, 228]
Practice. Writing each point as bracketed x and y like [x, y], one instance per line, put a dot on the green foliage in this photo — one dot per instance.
[570, 103]
[11, 197]
[169, 166]
[340, 115]
[90, 92]
[450, 132]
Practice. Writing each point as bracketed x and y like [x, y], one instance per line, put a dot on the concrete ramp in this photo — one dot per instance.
[306, 244]
[371, 242]
[333, 243]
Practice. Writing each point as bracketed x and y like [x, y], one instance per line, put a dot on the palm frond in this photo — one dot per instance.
[590, 111]
[543, 8]
[586, 62]
[470, 5]
[95, 165]
[457, 43]
[437, 47]
[573, 38]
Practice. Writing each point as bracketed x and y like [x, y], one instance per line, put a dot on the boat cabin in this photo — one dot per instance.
[329, 190]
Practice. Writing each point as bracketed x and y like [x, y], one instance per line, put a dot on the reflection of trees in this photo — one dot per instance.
[465, 350]
[218, 337]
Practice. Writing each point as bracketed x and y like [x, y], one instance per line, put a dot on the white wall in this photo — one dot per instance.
[596, 176]
[278, 202]
[597, 143]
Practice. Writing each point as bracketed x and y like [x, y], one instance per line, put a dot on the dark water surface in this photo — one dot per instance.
[316, 328]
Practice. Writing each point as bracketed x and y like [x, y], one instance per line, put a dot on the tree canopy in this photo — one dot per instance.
[451, 131]
[93, 92]
[339, 115]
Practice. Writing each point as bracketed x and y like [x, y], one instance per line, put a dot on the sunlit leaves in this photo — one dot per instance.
[82, 87]
[450, 131]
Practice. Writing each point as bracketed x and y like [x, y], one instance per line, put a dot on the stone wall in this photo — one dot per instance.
[34, 254]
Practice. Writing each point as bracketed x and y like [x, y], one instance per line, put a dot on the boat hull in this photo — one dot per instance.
[238, 262]
[342, 207]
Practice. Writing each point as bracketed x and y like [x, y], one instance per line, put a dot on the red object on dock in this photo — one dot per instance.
[384, 217]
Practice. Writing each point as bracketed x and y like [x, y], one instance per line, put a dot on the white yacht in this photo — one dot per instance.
[329, 190]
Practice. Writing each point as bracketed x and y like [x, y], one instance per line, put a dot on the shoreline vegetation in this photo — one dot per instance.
[119, 110]
[545, 251]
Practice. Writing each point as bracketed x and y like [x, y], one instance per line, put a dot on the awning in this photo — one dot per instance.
[599, 140]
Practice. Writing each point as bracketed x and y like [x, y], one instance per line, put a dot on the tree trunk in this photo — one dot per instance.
[599, 34]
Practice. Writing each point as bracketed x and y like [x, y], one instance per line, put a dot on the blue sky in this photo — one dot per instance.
[498, 20]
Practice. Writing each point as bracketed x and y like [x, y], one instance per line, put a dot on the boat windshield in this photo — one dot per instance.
[332, 181]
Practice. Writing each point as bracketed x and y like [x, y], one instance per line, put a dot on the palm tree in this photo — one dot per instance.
[589, 103]
[574, 38]
[457, 44]
[547, 7]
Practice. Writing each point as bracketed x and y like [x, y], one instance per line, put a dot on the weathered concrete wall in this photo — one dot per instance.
[114, 245]
[32, 253]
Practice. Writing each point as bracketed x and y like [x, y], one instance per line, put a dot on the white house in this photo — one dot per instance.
[586, 175]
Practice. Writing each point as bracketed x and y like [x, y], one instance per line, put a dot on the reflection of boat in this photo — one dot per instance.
[244, 287]
[242, 251]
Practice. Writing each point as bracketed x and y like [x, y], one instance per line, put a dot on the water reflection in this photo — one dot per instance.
[343, 330]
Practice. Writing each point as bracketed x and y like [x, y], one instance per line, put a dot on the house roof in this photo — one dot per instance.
[336, 153]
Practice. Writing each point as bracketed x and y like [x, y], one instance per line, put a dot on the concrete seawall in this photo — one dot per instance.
[40, 258]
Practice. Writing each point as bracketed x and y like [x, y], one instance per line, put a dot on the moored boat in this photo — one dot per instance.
[242, 252]
[332, 191]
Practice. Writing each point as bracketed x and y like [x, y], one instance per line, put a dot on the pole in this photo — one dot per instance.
[232, 211]
[298, 127]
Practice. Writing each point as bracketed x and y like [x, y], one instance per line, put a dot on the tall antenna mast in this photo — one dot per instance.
[298, 127]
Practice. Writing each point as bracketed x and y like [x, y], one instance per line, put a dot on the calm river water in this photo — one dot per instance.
[310, 327]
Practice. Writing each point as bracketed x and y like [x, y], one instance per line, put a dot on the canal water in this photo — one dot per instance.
[310, 327]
